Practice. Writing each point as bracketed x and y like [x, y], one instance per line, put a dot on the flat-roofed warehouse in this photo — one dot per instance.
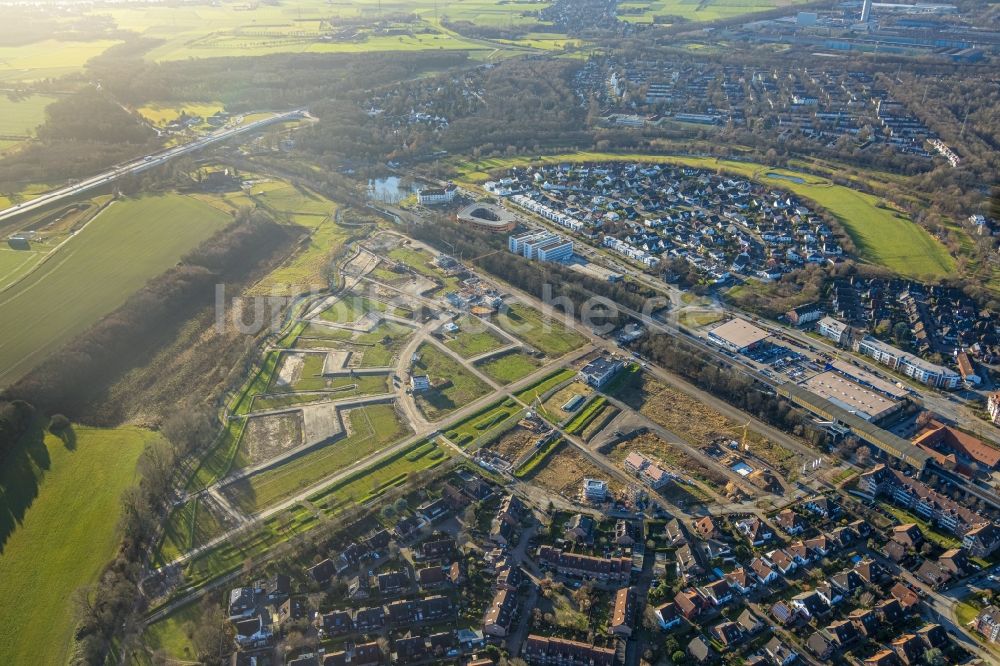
[738, 335]
[855, 398]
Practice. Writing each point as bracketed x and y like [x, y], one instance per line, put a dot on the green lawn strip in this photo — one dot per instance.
[622, 380]
[544, 385]
[882, 235]
[61, 506]
[123, 247]
[965, 613]
[189, 526]
[538, 458]
[364, 485]
[258, 384]
[548, 335]
[373, 427]
[931, 533]
[583, 419]
[483, 422]
[509, 367]
[172, 634]
[345, 311]
[277, 401]
[460, 387]
[371, 482]
[220, 458]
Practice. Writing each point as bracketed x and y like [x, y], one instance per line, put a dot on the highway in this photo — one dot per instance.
[141, 164]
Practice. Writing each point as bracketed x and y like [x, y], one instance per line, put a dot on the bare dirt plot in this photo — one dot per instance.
[564, 471]
[513, 444]
[322, 422]
[700, 425]
[268, 436]
[290, 370]
[670, 456]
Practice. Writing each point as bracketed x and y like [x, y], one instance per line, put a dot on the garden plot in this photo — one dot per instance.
[266, 437]
[508, 367]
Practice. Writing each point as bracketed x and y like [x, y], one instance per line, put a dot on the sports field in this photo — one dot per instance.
[95, 271]
[882, 235]
[59, 524]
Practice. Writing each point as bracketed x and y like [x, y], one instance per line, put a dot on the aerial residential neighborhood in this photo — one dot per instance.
[499, 333]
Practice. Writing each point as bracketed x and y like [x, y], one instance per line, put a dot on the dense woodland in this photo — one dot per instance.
[82, 134]
[279, 82]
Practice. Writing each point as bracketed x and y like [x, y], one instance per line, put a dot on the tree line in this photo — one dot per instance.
[79, 374]
[83, 133]
[540, 279]
[15, 418]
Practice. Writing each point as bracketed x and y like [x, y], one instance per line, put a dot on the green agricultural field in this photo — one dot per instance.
[94, 272]
[20, 118]
[306, 269]
[509, 367]
[461, 386]
[61, 504]
[163, 114]
[48, 59]
[549, 336]
[474, 338]
[372, 428]
[695, 10]
[882, 235]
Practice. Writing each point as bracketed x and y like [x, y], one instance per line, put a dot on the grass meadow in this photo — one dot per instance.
[95, 271]
[509, 367]
[20, 118]
[549, 336]
[458, 386]
[61, 502]
[695, 10]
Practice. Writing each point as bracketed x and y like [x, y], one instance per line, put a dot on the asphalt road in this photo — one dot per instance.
[140, 165]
